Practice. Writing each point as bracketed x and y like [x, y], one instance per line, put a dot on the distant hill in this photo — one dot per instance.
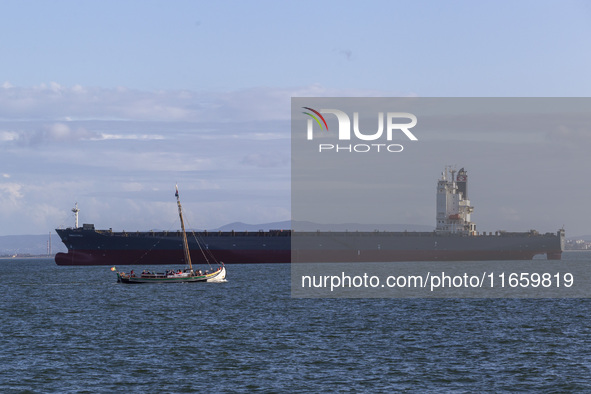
[30, 244]
[239, 226]
[311, 226]
[586, 238]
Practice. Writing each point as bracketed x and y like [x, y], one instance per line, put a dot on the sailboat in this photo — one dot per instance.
[175, 276]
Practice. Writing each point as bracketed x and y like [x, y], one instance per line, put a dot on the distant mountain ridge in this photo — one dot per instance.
[311, 226]
[11, 245]
[239, 226]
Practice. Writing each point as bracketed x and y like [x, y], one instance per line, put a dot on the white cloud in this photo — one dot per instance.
[55, 102]
[106, 136]
[59, 131]
[265, 160]
[53, 132]
[10, 196]
[118, 153]
[55, 87]
[230, 153]
[574, 136]
[132, 187]
[8, 136]
[78, 89]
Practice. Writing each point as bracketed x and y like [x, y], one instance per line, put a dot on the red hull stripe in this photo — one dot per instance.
[140, 257]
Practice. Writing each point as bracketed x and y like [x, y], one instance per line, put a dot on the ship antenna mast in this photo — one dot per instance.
[185, 243]
[75, 210]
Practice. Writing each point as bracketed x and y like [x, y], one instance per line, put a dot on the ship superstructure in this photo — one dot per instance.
[453, 206]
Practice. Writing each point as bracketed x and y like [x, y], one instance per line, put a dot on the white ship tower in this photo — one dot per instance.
[76, 210]
[453, 206]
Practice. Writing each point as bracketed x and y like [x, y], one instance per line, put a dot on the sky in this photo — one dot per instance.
[109, 104]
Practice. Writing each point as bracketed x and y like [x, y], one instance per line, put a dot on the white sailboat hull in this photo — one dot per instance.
[219, 277]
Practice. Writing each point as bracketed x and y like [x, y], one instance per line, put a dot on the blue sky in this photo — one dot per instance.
[110, 103]
[429, 47]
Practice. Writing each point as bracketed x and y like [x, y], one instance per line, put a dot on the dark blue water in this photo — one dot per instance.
[74, 329]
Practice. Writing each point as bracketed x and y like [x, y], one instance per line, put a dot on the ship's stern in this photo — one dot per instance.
[557, 254]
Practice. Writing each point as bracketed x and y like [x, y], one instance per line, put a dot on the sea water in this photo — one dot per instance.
[75, 329]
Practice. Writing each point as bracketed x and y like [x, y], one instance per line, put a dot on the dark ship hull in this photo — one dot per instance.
[455, 239]
[87, 246]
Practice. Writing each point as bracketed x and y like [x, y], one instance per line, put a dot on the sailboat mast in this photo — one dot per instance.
[185, 243]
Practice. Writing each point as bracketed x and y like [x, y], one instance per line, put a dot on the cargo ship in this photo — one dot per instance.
[454, 239]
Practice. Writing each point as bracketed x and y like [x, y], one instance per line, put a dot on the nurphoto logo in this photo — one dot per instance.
[394, 123]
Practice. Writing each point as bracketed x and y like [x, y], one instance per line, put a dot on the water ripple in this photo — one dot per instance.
[62, 333]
